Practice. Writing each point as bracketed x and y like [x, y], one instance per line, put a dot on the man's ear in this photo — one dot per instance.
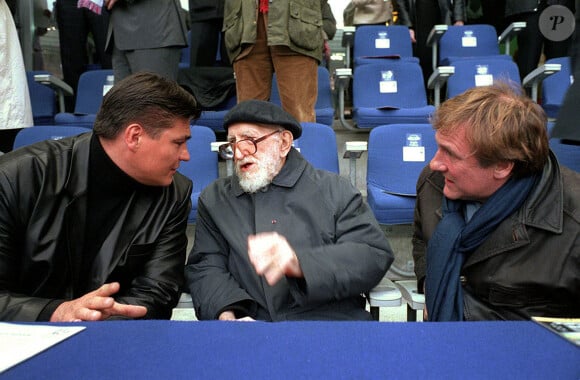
[287, 140]
[503, 169]
[132, 136]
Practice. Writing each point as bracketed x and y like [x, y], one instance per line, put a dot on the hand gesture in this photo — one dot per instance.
[272, 257]
[96, 306]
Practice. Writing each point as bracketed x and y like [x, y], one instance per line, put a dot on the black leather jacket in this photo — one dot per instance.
[530, 265]
[43, 199]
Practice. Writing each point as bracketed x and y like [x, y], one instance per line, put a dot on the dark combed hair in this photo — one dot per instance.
[502, 124]
[145, 98]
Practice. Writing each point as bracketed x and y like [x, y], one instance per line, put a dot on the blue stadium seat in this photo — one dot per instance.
[202, 167]
[389, 92]
[318, 145]
[482, 71]
[37, 133]
[554, 87]
[91, 88]
[42, 100]
[469, 41]
[396, 155]
[567, 152]
[376, 42]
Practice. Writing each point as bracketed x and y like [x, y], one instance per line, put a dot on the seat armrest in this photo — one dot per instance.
[533, 79]
[342, 80]
[215, 145]
[385, 294]
[408, 289]
[56, 84]
[436, 33]
[353, 151]
[348, 42]
[437, 79]
[509, 33]
[433, 40]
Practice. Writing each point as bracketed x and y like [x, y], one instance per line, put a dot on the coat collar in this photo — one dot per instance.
[76, 184]
[287, 177]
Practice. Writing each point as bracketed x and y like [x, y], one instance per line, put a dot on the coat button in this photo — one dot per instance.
[463, 280]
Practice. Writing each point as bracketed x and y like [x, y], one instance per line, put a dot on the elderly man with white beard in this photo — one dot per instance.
[280, 240]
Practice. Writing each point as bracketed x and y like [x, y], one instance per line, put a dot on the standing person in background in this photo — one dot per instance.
[372, 12]
[207, 18]
[15, 107]
[283, 37]
[146, 35]
[531, 42]
[421, 17]
[74, 26]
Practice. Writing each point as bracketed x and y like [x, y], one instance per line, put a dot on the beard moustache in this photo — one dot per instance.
[267, 169]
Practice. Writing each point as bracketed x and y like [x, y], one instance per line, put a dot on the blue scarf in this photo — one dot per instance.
[454, 239]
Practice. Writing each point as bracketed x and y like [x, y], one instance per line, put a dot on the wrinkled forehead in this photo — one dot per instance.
[250, 129]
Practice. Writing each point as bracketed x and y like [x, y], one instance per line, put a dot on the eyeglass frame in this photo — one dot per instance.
[225, 152]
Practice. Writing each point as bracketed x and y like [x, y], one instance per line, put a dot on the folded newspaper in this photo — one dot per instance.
[567, 328]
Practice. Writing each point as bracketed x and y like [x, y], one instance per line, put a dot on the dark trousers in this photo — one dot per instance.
[531, 42]
[74, 25]
[427, 15]
[205, 40]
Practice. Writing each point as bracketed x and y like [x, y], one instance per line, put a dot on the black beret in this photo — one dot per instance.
[262, 112]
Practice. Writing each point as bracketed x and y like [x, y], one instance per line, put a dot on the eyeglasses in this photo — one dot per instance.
[248, 146]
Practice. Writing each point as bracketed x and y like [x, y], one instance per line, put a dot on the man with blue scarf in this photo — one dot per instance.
[497, 219]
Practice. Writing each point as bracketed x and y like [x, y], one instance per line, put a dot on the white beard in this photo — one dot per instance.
[266, 170]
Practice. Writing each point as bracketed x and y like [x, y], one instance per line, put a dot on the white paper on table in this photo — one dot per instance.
[19, 342]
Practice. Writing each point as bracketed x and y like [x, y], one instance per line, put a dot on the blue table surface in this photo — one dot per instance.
[313, 350]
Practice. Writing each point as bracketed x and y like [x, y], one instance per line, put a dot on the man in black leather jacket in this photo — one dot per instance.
[92, 227]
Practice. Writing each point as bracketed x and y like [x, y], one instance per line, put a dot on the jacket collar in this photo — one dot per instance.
[287, 177]
[544, 208]
[77, 184]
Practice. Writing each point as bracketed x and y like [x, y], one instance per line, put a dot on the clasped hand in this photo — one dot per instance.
[96, 306]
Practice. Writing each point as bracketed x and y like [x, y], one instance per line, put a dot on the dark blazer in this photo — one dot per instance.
[147, 24]
[42, 223]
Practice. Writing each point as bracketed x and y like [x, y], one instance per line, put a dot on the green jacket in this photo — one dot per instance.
[293, 23]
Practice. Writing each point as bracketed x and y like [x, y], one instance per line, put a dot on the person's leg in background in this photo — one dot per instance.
[254, 69]
[121, 68]
[555, 49]
[98, 27]
[427, 13]
[205, 37]
[297, 77]
[530, 42]
[493, 14]
[72, 32]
